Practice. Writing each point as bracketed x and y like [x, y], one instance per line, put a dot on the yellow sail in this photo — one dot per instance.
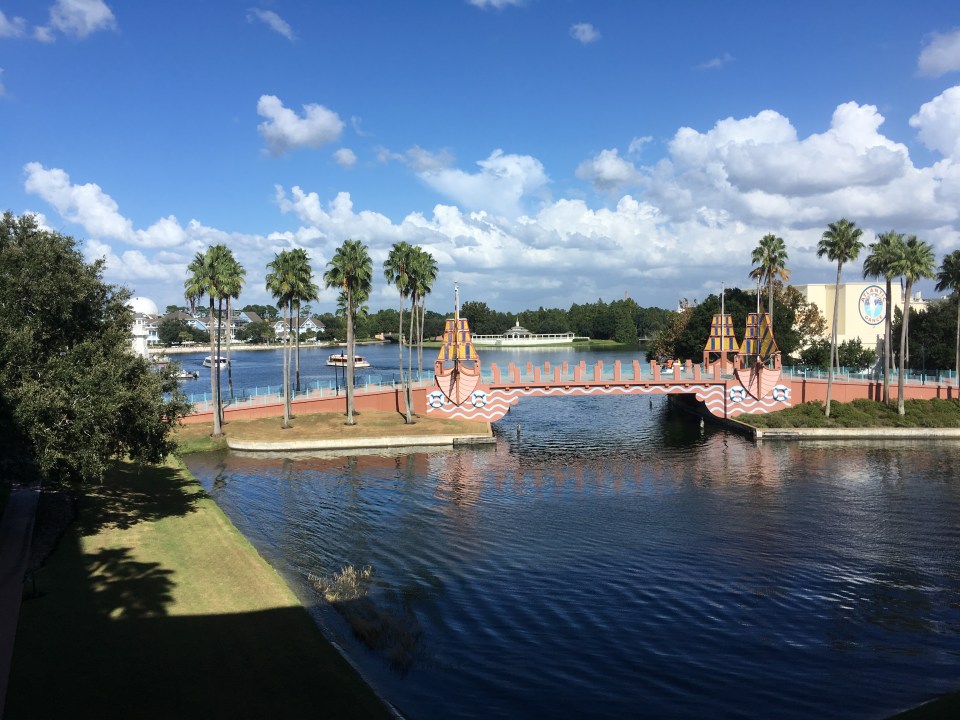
[758, 339]
[722, 338]
[457, 341]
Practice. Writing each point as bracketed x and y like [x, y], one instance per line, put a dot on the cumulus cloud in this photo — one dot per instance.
[940, 55]
[608, 171]
[272, 21]
[938, 123]
[503, 182]
[85, 205]
[77, 18]
[12, 27]
[584, 33]
[636, 145]
[483, 4]
[285, 130]
[345, 157]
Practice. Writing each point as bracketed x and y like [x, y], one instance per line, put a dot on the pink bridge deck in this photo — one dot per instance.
[722, 394]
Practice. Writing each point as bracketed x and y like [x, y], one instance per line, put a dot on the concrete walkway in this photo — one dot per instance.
[16, 534]
[385, 443]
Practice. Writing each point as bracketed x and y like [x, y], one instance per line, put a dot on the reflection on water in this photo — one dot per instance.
[613, 559]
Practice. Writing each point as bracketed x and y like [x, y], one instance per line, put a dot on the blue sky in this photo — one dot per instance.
[545, 151]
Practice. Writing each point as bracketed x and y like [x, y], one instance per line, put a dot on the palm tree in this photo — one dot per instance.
[280, 284]
[396, 271]
[425, 272]
[304, 290]
[949, 279]
[917, 262]
[351, 271]
[885, 254]
[203, 280]
[232, 283]
[840, 242]
[770, 257]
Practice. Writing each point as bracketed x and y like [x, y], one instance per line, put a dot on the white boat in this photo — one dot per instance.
[519, 336]
[341, 360]
[188, 375]
[208, 361]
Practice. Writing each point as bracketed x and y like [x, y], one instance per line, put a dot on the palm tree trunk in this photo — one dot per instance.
[298, 345]
[410, 336]
[214, 395]
[350, 354]
[904, 333]
[403, 385]
[286, 372]
[229, 364]
[219, 341]
[833, 342]
[289, 396]
[770, 299]
[887, 339]
[957, 368]
[423, 312]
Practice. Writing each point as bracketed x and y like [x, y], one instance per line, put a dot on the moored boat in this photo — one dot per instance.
[341, 360]
[208, 361]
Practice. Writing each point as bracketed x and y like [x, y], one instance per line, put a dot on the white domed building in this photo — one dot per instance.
[146, 318]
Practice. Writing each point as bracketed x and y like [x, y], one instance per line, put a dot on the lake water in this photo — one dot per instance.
[616, 560]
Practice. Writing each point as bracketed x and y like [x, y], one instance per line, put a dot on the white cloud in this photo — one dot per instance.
[608, 171]
[500, 186]
[636, 145]
[762, 153]
[717, 62]
[425, 161]
[80, 18]
[12, 27]
[345, 157]
[86, 205]
[584, 33]
[941, 54]
[483, 4]
[938, 123]
[271, 20]
[285, 130]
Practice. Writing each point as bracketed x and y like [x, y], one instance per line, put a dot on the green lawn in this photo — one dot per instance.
[154, 606]
[862, 413]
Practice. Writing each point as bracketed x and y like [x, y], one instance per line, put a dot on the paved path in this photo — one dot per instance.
[16, 532]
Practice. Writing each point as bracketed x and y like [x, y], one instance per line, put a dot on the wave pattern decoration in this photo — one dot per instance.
[490, 405]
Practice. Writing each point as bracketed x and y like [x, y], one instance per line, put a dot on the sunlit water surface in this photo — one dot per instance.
[613, 559]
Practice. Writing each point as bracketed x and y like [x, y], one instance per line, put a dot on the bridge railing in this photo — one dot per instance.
[267, 394]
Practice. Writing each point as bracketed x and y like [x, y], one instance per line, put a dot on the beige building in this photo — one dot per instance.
[863, 306]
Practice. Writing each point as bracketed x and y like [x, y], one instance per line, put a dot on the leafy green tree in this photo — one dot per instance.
[948, 278]
[350, 270]
[267, 312]
[259, 331]
[932, 335]
[72, 392]
[173, 330]
[841, 244]
[884, 258]
[917, 262]
[626, 330]
[770, 258]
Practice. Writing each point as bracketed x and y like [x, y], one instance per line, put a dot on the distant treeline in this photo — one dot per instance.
[621, 320]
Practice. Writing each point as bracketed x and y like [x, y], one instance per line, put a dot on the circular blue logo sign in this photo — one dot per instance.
[873, 305]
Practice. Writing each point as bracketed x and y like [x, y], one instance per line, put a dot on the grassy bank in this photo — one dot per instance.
[323, 426]
[154, 606]
[862, 413]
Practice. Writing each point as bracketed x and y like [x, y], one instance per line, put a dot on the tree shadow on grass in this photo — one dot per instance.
[133, 493]
[123, 588]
